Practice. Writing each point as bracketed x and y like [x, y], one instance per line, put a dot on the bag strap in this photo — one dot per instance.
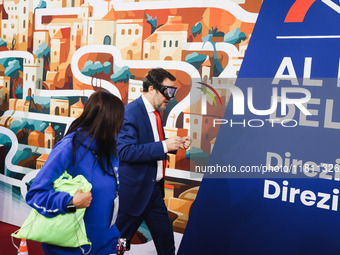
[30, 224]
[75, 226]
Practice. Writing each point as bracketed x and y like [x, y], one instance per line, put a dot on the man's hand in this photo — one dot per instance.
[176, 142]
[81, 199]
[185, 142]
[173, 143]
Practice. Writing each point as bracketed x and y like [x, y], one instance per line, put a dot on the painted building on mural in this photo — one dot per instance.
[32, 76]
[167, 41]
[63, 3]
[206, 70]
[77, 109]
[59, 106]
[40, 37]
[237, 61]
[36, 138]
[129, 38]
[4, 84]
[41, 161]
[64, 34]
[49, 138]
[17, 24]
[86, 14]
[18, 105]
[98, 35]
[60, 47]
[135, 89]
[3, 15]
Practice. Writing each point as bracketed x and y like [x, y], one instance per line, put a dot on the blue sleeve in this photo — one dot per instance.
[131, 150]
[41, 195]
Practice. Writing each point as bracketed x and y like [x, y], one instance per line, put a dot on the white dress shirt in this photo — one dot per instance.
[152, 117]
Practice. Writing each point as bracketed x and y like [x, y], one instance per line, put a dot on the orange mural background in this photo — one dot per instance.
[54, 54]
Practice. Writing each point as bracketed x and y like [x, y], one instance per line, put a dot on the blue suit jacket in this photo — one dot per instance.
[138, 153]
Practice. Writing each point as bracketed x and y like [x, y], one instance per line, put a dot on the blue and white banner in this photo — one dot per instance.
[272, 182]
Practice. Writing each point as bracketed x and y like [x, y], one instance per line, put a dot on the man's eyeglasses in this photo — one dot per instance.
[168, 91]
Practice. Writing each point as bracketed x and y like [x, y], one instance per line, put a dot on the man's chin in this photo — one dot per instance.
[163, 106]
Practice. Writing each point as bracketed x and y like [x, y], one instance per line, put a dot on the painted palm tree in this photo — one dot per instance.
[217, 66]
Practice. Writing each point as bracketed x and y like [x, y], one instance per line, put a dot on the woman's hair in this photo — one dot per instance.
[101, 120]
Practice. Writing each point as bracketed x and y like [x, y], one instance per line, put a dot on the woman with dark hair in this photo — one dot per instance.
[88, 149]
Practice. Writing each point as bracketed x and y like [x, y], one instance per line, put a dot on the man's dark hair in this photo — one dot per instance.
[157, 76]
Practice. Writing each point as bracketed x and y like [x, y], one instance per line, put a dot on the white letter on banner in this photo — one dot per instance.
[290, 115]
[310, 123]
[308, 197]
[238, 99]
[324, 198]
[266, 189]
[262, 112]
[297, 101]
[291, 76]
[306, 74]
[271, 155]
[219, 122]
[329, 123]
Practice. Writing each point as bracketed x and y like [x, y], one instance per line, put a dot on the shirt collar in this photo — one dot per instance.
[148, 105]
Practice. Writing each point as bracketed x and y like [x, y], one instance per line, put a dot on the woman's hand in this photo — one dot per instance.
[81, 199]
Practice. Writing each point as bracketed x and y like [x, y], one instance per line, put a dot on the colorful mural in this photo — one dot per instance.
[55, 53]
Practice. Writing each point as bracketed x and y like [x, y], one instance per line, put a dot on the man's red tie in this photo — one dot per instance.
[161, 136]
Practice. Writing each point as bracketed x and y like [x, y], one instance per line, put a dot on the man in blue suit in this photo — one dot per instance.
[142, 150]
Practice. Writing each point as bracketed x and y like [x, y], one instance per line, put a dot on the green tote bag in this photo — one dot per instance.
[67, 230]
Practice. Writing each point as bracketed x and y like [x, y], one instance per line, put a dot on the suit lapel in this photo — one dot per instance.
[145, 118]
